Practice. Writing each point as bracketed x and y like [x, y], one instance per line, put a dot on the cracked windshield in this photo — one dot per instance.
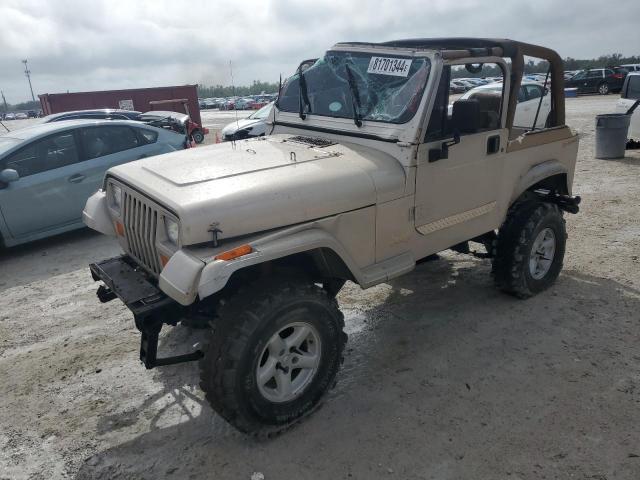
[361, 86]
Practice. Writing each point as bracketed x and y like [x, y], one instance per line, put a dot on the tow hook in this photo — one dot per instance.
[105, 294]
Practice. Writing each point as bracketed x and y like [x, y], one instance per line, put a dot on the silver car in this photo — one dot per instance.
[48, 171]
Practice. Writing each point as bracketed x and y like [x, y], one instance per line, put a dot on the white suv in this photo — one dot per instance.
[628, 96]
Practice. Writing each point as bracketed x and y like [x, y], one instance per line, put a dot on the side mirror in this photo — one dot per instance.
[9, 175]
[442, 153]
[465, 116]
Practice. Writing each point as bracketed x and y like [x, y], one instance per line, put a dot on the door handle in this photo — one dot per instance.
[493, 144]
[77, 178]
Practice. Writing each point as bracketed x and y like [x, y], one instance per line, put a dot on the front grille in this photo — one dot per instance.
[141, 225]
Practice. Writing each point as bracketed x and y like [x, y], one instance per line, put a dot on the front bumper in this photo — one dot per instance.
[123, 279]
[151, 308]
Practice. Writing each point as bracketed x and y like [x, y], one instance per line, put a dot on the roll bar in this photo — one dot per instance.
[461, 47]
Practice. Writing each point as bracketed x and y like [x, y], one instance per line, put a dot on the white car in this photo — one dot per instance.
[252, 126]
[632, 67]
[528, 100]
[628, 96]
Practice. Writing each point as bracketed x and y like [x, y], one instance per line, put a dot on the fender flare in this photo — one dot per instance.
[216, 274]
[536, 174]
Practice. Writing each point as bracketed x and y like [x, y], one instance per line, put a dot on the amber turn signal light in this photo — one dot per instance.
[164, 260]
[119, 228]
[234, 253]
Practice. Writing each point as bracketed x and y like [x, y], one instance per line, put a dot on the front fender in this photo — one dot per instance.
[216, 274]
[536, 174]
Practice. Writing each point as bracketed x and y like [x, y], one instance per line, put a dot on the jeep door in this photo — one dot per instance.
[457, 185]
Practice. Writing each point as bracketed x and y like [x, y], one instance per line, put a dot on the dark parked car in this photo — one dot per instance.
[598, 80]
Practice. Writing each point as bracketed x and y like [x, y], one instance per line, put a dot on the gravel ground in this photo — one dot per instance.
[444, 377]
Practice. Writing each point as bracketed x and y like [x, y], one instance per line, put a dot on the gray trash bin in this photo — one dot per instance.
[611, 134]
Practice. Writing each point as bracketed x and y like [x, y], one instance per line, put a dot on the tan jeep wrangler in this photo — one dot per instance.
[366, 171]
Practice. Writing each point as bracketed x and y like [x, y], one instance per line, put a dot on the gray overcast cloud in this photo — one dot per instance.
[81, 45]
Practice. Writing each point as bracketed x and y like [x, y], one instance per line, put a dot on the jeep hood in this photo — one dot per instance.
[259, 184]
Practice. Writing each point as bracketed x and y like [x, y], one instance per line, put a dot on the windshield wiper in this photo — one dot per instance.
[355, 97]
[303, 94]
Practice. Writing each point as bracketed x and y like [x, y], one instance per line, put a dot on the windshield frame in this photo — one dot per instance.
[417, 98]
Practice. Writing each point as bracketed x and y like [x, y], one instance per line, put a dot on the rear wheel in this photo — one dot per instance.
[603, 88]
[275, 351]
[529, 249]
[198, 136]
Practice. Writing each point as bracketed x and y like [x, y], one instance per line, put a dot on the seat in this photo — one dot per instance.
[489, 103]
[95, 147]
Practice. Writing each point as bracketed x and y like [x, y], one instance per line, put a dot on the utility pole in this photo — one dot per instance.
[4, 100]
[27, 72]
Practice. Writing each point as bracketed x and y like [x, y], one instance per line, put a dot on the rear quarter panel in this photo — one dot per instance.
[557, 146]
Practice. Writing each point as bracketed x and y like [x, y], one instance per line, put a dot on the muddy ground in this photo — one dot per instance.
[444, 377]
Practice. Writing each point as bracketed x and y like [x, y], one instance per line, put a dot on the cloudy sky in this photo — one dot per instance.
[81, 45]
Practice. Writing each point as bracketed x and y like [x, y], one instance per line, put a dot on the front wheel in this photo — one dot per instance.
[274, 352]
[529, 249]
[603, 88]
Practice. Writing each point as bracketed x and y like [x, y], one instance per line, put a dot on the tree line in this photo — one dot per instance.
[30, 105]
[256, 88]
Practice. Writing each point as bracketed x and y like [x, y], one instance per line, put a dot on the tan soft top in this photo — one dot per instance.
[462, 47]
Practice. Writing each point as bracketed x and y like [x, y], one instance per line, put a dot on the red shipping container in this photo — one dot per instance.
[129, 99]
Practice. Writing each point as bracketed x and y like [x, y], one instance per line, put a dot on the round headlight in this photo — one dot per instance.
[116, 197]
[172, 229]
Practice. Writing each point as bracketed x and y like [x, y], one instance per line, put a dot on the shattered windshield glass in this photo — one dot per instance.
[388, 88]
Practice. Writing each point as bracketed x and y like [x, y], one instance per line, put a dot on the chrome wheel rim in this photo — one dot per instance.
[288, 362]
[603, 89]
[542, 252]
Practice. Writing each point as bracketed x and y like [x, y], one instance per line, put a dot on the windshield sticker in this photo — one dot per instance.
[335, 106]
[398, 67]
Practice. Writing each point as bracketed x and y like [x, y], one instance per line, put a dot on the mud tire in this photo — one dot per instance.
[244, 325]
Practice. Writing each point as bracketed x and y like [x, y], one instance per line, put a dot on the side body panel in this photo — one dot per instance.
[526, 161]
